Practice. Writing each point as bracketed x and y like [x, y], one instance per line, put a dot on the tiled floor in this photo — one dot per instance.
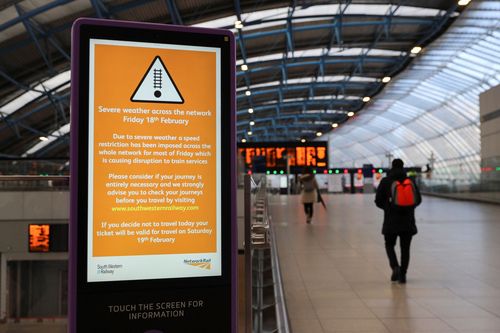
[336, 275]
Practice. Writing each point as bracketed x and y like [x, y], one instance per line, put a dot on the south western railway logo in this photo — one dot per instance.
[200, 263]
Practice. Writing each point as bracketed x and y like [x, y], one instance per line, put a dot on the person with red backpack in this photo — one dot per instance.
[398, 196]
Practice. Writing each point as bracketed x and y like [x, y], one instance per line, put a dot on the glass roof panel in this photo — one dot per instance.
[438, 110]
[319, 10]
[37, 91]
[62, 131]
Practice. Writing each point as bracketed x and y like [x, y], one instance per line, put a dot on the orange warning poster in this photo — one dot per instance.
[154, 156]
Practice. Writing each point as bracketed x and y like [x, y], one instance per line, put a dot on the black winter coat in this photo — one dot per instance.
[397, 220]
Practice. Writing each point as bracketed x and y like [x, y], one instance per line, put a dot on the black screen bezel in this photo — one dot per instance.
[222, 42]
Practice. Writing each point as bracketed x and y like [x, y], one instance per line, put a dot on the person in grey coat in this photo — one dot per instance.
[398, 221]
[308, 192]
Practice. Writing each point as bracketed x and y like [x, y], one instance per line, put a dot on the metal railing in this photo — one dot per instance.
[34, 183]
[267, 310]
[34, 166]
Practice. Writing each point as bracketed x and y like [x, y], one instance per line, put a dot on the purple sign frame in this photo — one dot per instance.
[76, 116]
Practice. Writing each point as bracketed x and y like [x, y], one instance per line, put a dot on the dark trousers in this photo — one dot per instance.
[308, 208]
[404, 243]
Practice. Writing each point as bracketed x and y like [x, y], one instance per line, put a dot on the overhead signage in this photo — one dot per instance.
[152, 214]
[263, 156]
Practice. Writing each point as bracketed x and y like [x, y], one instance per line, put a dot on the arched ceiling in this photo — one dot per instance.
[302, 65]
[431, 111]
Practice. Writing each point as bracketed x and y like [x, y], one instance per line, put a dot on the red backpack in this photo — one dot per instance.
[403, 193]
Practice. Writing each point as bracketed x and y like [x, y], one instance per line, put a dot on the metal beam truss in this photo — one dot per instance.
[50, 50]
[383, 25]
[358, 64]
[48, 47]
[175, 16]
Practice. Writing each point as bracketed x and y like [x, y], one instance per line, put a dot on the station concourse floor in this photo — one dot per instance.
[337, 278]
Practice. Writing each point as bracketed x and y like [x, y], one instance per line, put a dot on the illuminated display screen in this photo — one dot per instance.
[39, 237]
[48, 237]
[260, 157]
[154, 198]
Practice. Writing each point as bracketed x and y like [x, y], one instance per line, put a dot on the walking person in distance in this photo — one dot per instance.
[309, 192]
[398, 196]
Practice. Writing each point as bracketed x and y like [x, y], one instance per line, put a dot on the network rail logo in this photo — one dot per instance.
[200, 263]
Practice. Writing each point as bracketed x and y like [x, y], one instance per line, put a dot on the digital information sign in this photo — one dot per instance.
[152, 206]
[263, 156]
[48, 237]
[39, 237]
[154, 196]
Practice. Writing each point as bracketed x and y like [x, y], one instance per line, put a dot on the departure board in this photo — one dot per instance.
[263, 156]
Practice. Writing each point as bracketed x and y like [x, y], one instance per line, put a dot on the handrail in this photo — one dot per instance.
[282, 319]
[248, 253]
[33, 183]
[262, 240]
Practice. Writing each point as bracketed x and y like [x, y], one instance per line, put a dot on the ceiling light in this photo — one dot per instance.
[249, 132]
[416, 50]
[250, 110]
[43, 138]
[252, 123]
[335, 125]
[386, 79]
[350, 114]
[319, 134]
[244, 67]
[463, 2]
[248, 92]
[366, 99]
[302, 140]
[238, 24]
[243, 140]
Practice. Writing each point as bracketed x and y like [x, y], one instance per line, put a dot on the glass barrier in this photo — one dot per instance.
[34, 183]
[34, 175]
[34, 167]
[459, 184]
[488, 181]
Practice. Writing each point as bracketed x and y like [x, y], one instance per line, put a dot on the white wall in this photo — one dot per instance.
[489, 102]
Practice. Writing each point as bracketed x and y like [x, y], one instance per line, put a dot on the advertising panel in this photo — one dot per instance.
[335, 183]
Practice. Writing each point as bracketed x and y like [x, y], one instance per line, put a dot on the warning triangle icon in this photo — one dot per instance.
[157, 86]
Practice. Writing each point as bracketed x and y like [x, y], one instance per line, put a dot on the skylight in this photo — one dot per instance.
[312, 98]
[316, 12]
[337, 52]
[62, 131]
[37, 91]
[309, 79]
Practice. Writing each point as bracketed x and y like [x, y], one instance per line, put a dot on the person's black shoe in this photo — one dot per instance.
[395, 274]
[402, 278]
